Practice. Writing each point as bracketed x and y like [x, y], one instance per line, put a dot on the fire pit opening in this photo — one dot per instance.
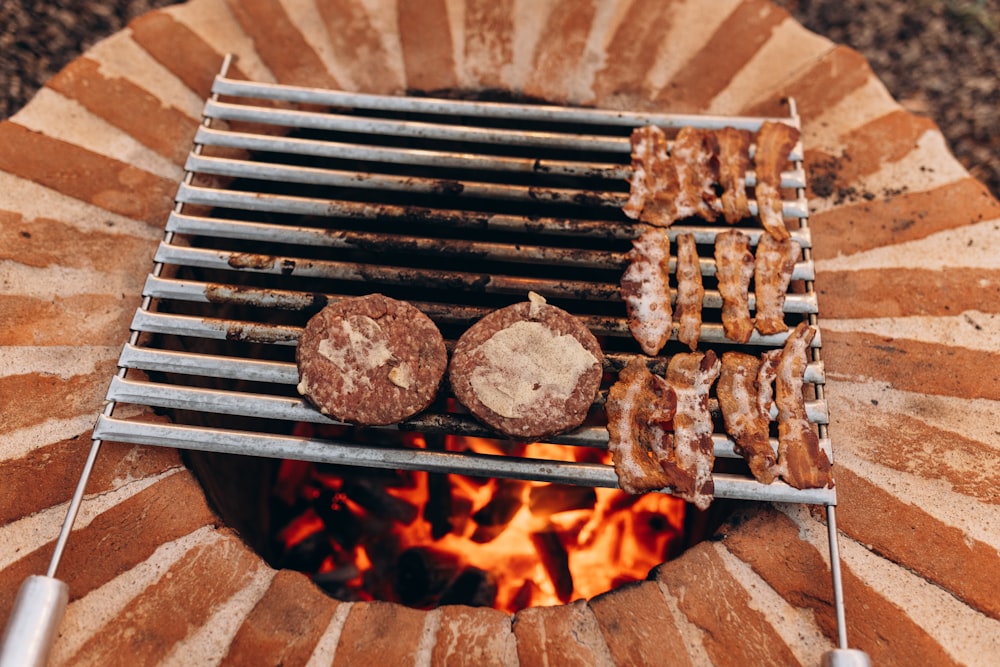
[292, 204]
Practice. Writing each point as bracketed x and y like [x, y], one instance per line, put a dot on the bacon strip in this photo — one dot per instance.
[775, 142]
[803, 464]
[695, 157]
[646, 291]
[738, 393]
[766, 376]
[690, 292]
[689, 469]
[734, 267]
[734, 161]
[775, 263]
[640, 408]
[653, 186]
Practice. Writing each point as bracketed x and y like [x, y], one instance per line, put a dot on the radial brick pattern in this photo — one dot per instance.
[907, 270]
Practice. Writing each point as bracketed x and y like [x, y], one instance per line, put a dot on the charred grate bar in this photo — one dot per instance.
[296, 197]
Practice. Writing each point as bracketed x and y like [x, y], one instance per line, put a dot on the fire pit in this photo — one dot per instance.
[134, 558]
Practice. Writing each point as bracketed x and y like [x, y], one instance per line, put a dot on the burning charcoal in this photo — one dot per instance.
[438, 510]
[422, 574]
[344, 527]
[554, 498]
[472, 587]
[495, 515]
[555, 559]
[307, 554]
[522, 599]
[374, 498]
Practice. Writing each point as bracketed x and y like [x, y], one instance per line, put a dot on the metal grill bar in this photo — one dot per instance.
[467, 463]
[458, 207]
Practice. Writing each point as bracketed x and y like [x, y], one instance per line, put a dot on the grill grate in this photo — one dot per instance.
[297, 197]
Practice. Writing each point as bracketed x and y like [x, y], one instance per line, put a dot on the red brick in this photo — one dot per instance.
[563, 635]
[888, 220]
[117, 540]
[180, 50]
[557, 59]
[285, 625]
[633, 50]
[44, 321]
[427, 43]
[489, 39]
[639, 628]
[836, 75]
[908, 365]
[906, 292]
[904, 533]
[280, 45]
[769, 542]
[709, 71]
[358, 46]
[140, 114]
[380, 633]
[178, 604]
[85, 175]
[713, 600]
[473, 637]
[61, 464]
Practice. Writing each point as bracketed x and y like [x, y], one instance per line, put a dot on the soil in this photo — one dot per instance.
[939, 58]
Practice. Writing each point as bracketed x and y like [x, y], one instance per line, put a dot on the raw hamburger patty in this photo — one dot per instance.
[370, 360]
[528, 370]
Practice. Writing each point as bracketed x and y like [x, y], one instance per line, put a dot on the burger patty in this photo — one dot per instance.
[528, 370]
[370, 360]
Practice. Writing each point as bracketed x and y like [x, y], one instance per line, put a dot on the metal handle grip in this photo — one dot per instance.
[34, 622]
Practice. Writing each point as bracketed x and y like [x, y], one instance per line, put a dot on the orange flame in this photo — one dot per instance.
[505, 543]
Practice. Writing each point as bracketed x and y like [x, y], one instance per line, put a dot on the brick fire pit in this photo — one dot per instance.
[908, 273]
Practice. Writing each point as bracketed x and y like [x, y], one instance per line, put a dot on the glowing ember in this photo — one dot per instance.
[425, 539]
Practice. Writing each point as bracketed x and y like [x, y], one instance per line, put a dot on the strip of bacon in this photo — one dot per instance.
[689, 470]
[775, 142]
[640, 409]
[766, 376]
[738, 394]
[803, 464]
[734, 267]
[690, 292]
[775, 262]
[734, 161]
[646, 290]
[653, 185]
[695, 156]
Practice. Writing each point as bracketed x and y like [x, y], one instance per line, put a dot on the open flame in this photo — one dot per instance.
[426, 539]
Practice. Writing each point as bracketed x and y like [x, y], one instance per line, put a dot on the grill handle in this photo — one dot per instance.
[846, 657]
[34, 622]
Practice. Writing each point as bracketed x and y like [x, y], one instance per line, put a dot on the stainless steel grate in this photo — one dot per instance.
[296, 197]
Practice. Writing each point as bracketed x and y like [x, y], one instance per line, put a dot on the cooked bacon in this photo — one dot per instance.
[775, 263]
[646, 291]
[738, 393]
[695, 156]
[734, 161]
[640, 409]
[653, 186]
[803, 464]
[775, 142]
[766, 376]
[734, 267]
[690, 292]
[689, 469]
